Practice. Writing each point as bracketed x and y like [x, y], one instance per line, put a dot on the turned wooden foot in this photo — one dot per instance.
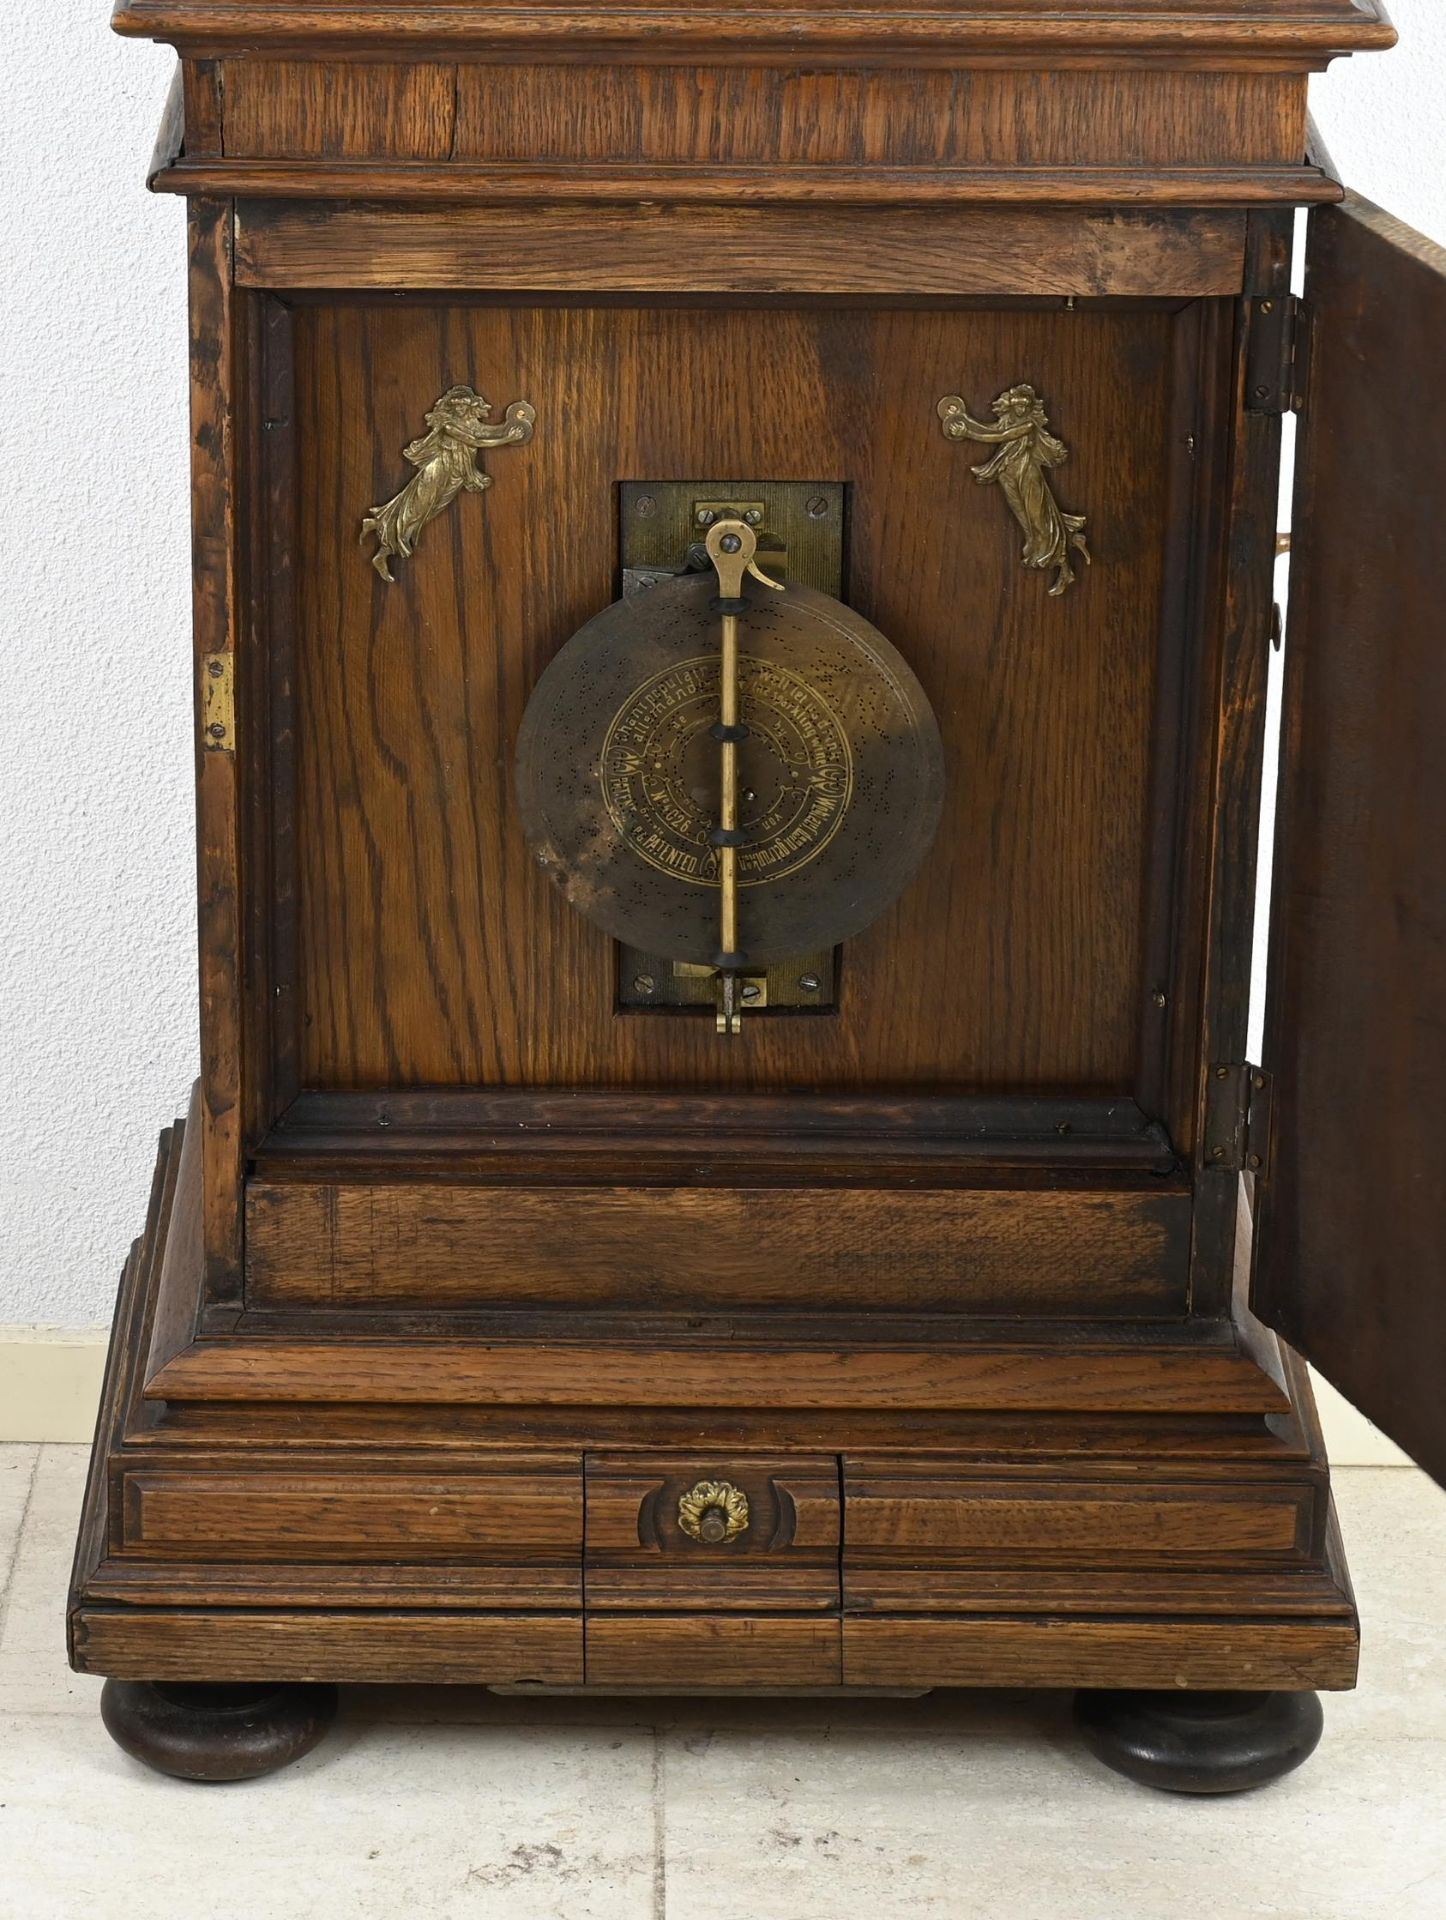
[214, 1733]
[1200, 1742]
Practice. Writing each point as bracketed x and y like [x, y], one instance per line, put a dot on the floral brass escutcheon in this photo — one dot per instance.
[459, 427]
[1027, 452]
[714, 1512]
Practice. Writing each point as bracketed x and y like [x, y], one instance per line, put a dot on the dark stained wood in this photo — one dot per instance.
[1352, 1217]
[434, 952]
[853, 251]
[712, 1651]
[467, 1649]
[1235, 749]
[640, 1557]
[725, 116]
[456, 182]
[217, 358]
[309, 1511]
[1076, 1378]
[948, 1279]
[1237, 32]
[1242, 1653]
[337, 111]
[717, 1249]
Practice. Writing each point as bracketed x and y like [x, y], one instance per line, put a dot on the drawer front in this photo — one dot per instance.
[925, 1537]
[715, 1651]
[682, 1532]
[509, 1536]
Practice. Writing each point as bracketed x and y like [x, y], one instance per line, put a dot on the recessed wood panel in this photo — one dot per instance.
[1125, 252]
[711, 1248]
[924, 1537]
[336, 110]
[432, 949]
[305, 1511]
[719, 115]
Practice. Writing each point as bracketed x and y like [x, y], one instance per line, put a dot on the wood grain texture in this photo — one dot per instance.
[939, 1512]
[460, 183]
[467, 1649]
[1353, 1213]
[1259, 32]
[713, 1249]
[1079, 1378]
[724, 116]
[712, 1650]
[217, 355]
[640, 1557]
[434, 952]
[1247, 1653]
[313, 1512]
[329, 110]
[855, 250]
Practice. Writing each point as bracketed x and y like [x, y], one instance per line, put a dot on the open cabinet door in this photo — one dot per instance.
[1351, 1256]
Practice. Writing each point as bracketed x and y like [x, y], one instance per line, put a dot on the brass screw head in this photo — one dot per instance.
[644, 983]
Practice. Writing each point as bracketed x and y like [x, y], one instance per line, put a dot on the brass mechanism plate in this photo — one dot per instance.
[805, 518]
[800, 526]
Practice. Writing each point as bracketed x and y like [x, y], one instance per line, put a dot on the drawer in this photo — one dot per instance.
[921, 1536]
[510, 1535]
[675, 1531]
[714, 1651]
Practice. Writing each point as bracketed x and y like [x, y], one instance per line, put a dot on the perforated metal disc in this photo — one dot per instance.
[842, 772]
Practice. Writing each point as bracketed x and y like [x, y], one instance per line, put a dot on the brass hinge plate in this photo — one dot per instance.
[218, 703]
[1274, 369]
[1237, 1119]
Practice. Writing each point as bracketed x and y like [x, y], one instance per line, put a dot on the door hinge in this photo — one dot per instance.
[218, 704]
[1237, 1120]
[1274, 355]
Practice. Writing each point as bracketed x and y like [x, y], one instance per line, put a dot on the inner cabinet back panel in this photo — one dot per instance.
[431, 951]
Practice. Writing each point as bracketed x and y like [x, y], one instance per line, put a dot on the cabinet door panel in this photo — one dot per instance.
[1351, 1267]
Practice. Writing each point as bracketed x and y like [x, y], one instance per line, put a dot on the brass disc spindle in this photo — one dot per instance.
[731, 547]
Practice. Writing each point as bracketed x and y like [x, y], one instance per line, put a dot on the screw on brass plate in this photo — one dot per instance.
[754, 517]
[644, 983]
[817, 507]
[216, 730]
[751, 994]
[1222, 1073]
[730, 543]
[809, 983]
[1160, 997]
[645, 504]
[706, 516]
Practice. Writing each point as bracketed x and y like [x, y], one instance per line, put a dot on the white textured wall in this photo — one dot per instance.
[97, 976]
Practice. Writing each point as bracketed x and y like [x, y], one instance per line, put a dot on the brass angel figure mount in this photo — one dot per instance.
[459, 428]
[1027, 452]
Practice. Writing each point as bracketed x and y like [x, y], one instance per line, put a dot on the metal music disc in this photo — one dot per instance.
[842, 773]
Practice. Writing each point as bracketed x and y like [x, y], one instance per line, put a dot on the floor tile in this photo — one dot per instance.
[454, 1823]
[34, 1677]
[17, 1470]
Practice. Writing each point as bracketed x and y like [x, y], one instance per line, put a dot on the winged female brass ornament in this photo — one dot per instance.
[446, 461]
[1027, 452]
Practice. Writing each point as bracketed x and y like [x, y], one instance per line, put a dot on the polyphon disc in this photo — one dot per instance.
[841, 773]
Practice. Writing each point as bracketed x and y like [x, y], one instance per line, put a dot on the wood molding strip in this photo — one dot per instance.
[1079, 1379]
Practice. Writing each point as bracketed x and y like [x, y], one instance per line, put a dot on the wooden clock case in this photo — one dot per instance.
[460, 1273]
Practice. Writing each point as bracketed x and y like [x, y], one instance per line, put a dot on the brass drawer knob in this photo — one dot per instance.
[713, 1512]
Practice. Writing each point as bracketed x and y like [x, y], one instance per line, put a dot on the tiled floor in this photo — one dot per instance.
[442, 1803]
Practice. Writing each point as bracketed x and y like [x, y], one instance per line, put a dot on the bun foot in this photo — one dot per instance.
[1200, 1742]
[203, 1732]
